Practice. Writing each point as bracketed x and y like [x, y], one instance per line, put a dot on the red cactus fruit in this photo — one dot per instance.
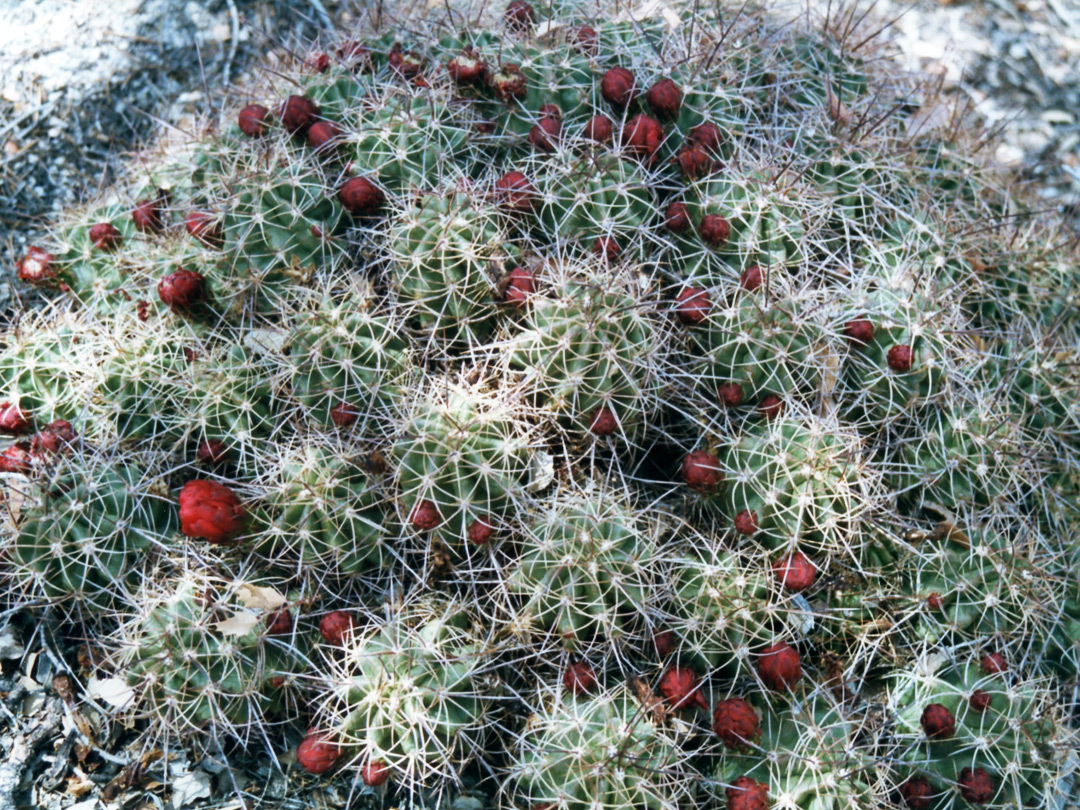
[603, 422]
[714, 229]
[707, 135]
[585, 40]
[917, 793]
[976, 785]
[859, 331]
[317, 62]
[750, 279]
[203, 226]
[105, 236]
[147, 215]
[599, 129]
[937, 721]
[485, 127]
[771, 407]
[682, 688]
[182, 289]
[16, 458]
[52, 438]
[935, 602]
[480, 531]
[211, 511]
[665, 642]
[730, 394]
[617, 87]
[779, 666]
[900, 358]
[335, 627]
[664, 99]
[579, 678]
[676, 217]
[467, 68]
[343, 414]
[279, 623]
[521, 283]
[211, 451]
[746, 794]
[551, 111]
[375, 773]
[298, 113]
[36, 266]
[509, 83]
[254, 120]
[324, 136]
[360, 196]
[13, 421]
[694, 162]
[519, 16]
[795, 571]
[514, 192]
[993, 663]
[980, 700]
[545, 133]
[406, 64]
[746, 522]
[736, 723]
[607, 248]
[701, 471]
[425, 516]
[693, 305]
[642, 136]
[317, 753]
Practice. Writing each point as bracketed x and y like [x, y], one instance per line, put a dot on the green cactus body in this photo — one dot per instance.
[557, 76]
[93, 274]
[42, 368]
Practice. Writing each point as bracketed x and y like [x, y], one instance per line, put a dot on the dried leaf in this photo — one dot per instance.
[260, 598]
[239, 624]
[113, 691]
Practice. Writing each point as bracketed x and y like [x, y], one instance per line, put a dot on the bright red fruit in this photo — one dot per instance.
[182, 289]
[701, 471]
[795, 571]
[335, 627]
[360, 196]
[317, 754]
[693, 305]
[12, 420]
[746, 794]
[736, 723]
[105, 236]
[425, 516]
[253, 120]
[682, 688]
[375, 773]
[780, 667]
[211, 511]
[36, 267]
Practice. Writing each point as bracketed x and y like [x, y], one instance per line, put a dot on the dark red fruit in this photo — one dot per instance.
[780, 667]
[599, 129]
[514, 192]
[324, 136]
[545, 134]
[746, 794]
[795, 571]
[993, 663]
[900, 358]
[335, 627]
[707, 136]
[682, 688]
[676, 217]
[16, 458]
[203, 226]
[375, 773]
[617, 87]
[519, 16]
[701, 471]
[425, 516]
[36, 267]
[585, 40]
[182, 289]
[976, 785]
[279, 623]
[254, 120]
[12, 420]
[298, 113]
[467, 68]
[771, 407]
[317, 63]
[317, 754]
[980, 700]
[479, 531]
[551, 111]
[52, 438]
[693, 305]
[603, 422]
[147, 215]
[714, 229]
[360, 196]
[343, 414]
[746, 522]
[694, 162]
[859, 330]
[211, 511]
[917, 793]
[211, 451]
[105, 236]
[664, 99]
[579, 678]
[606, 247]
[938, 722]
[730, 394]
[736, 723]
[665, 643]
[934, 601]
[751, 278]
[642, 136]
[406, 64]
[520, 285]
[509, 83]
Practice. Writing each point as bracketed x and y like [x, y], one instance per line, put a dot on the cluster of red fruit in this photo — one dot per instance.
[48, 440]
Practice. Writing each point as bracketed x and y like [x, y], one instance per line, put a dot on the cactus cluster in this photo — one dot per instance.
[571, 411]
